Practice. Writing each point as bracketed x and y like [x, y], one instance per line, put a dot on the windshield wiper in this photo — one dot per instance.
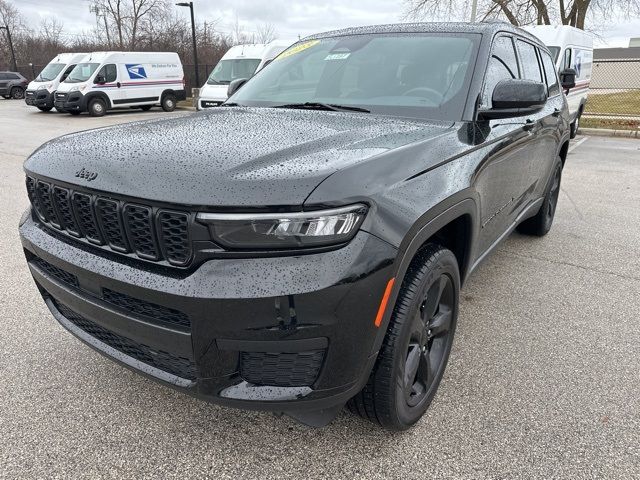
[334, 107]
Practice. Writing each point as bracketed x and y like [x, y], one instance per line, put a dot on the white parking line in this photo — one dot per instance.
[577, 144]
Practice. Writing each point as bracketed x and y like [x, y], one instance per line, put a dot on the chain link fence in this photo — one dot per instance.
[614, 92]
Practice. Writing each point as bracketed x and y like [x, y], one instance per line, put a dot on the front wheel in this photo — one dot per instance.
[540, 224]
[17, 93]
[97, 107]
[168, 102]
[417, 344]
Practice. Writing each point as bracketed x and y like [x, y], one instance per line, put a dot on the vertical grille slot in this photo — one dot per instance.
[174, 231]
[33, 198]
[111, 223]
[43, 191]
[62, 204]
[137, 220]
[86, 217]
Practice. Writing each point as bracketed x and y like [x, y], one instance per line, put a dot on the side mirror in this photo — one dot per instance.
[568, 78]
[100, 79]
[235, 85]
[515, 98]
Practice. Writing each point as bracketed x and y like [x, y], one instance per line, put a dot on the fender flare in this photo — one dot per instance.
[464, 203]
[103, 96]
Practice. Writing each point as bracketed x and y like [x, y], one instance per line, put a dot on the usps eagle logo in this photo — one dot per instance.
[136, 71]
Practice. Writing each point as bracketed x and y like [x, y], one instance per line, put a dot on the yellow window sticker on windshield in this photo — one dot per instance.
[297, 49]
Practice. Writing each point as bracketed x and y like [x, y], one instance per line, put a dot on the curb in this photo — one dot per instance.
[606, 132]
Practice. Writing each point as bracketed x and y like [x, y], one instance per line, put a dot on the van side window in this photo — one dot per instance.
[566, 60]
[67, 72]
[529, 62]
[503, 65]
[550, 74]
[109, 72]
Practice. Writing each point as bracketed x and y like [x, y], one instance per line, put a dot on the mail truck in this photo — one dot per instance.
[103, 81]
[40, 92]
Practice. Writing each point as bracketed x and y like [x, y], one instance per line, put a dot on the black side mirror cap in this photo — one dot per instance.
[235, 85]
[568, 78]
[515, 98]
[100, 80]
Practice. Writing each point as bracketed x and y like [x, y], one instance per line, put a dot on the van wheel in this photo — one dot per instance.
[60, 110]
[168, 102]
[417, 344]
[45, 109]
[97, 107]
[17, 93]
[145, 108]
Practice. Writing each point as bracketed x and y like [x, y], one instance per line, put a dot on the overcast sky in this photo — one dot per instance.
[289, 17]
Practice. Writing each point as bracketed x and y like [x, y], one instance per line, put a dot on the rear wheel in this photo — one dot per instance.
[145, 108]
[417, 344]
[540, 224]
[97, 107]
[45, 109]
[17, 93]
[168, 102]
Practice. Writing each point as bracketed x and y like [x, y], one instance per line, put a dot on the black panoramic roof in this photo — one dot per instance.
[489, 28]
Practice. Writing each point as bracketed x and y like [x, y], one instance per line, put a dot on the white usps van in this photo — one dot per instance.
[40, 92]
[571, 48]
[241, 61]
[105, 80]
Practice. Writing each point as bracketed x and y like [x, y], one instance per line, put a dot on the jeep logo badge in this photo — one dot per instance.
[86, 174]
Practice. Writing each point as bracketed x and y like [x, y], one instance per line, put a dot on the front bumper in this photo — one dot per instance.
[69, 101]
[39, 98]
[289, 334]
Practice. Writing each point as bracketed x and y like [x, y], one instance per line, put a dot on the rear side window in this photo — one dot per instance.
[109, 72]
[566, 59]
[550, 74]
[529, 62]
[503, 65]
[12, 76]
[3, 76]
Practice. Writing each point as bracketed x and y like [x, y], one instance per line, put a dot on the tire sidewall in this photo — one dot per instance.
[447, 264]
[169, 103]
[92, 110]
[17, 93]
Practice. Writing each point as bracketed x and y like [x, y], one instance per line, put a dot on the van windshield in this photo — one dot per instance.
[50, 72]
[82, 72]
[228, 70]
[425, 75]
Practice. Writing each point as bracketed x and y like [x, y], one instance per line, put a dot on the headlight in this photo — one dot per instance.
[285, 230]
[77, 88]
[45, 87]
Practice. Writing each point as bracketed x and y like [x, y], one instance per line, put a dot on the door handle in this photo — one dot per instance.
[556, 112]
[118, 84]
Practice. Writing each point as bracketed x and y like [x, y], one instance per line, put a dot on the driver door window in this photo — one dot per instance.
[503, 65]
[108, 72]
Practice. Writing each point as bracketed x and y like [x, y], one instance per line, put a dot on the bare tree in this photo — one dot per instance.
[51, 30]
[526, 12]
[266, 33]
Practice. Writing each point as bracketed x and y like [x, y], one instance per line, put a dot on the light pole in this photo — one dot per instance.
[13, 53]
[33, 72]
[193, 35]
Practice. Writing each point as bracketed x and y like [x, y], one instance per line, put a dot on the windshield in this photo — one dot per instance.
[228, 70]
[555, 51]
[50, 72]
[416, 75]
[82, 72]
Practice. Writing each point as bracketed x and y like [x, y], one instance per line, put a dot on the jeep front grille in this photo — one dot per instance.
[145, 231]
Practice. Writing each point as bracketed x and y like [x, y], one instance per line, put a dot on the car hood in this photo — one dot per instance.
[225, 156]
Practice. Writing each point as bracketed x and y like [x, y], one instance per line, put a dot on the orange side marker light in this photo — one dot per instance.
[383, 302]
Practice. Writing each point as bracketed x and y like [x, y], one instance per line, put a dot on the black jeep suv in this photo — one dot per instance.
[304, 246]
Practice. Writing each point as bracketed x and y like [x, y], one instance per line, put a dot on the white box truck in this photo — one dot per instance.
[103, 81]
[40, 92]
[571, 48]
[241, 61]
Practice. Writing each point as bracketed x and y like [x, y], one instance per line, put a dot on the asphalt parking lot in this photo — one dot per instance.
[543, 381]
